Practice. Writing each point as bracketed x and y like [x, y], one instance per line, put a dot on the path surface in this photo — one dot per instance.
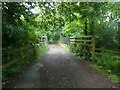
[60, 69]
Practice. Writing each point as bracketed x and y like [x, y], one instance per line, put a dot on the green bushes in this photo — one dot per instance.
[106, 62]
[24, 58]
[81, 51]
[110, 64]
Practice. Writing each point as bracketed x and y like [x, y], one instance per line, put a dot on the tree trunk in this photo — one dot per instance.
[119, 33]
[85, 30]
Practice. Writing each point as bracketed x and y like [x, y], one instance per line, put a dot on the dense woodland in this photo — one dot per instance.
[21, 27]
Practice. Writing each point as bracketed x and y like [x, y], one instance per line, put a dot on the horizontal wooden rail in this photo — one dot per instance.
[87, 45]
[7, 52]
[82, 44]
[96, 53]
[82, 37]
[81, 40]
[14, 51]
[103, 50]
[90, 41]
[110, 51]
[9, 63]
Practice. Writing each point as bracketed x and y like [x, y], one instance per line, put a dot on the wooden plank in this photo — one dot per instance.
[111, 51]
[82, 44]
[86, 45]
[14, 61]
[9, 63]
[81, 37]
[80, 40]
[83, 40]
[87, 36]
[100, 49]
[98, 53]
[72, 37]
[14, 51]
[72, 42]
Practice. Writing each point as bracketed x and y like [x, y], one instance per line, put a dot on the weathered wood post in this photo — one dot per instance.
[45, 39]
[40, 41]
[93, 47]
[75, 42]
[22, 51]
[34, 51]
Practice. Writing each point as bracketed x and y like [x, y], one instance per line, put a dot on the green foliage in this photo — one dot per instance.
[106, 36]
[16, 25]
[109, 63]
[74, 28]
[80, 51]
[40, 50]
[99, 19]
[25, 58]
[113, 77]
[20, 27]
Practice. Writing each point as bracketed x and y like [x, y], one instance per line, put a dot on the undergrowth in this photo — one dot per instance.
[30, 55]
[106, 62]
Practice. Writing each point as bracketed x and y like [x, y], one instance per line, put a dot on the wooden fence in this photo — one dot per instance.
[8, 53]
[90, 42]
[85, 41]
[99, 51]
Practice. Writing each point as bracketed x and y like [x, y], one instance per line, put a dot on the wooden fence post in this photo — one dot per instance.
[74, 41]
[34, 51]
[93, 47]
[22, 52]
[46, 39]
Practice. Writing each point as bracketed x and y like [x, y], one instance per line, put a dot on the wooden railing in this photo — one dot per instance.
[9, 53]
[85, 41]
[20, 51]
[100, 51]
[90, 42]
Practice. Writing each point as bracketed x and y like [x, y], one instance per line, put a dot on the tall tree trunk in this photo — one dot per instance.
[92, 26]
[119, 33]
[86, 27]
[93, 37]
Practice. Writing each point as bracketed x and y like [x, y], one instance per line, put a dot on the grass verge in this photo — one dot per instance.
[113, 77]
[66, 47]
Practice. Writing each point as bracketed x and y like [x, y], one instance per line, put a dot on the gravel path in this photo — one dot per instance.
[60, 69]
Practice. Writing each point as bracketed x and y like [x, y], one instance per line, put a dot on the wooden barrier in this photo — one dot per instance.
[99, 51]
[85, 41]
[90, 42]
[6, 53]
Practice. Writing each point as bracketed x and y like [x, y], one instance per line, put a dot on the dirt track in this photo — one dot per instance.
[60, 69]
